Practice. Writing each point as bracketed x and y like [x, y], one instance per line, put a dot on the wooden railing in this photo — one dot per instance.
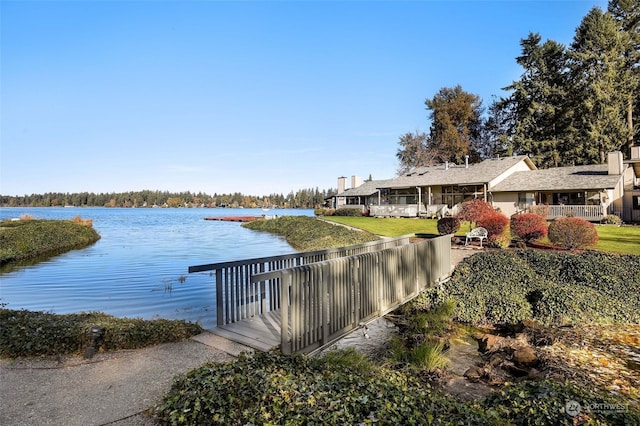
[240, 295]
[590, 213]
[396, 210]
[324, 301]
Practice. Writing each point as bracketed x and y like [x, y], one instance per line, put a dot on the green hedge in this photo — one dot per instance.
[505, 287]
[29, 333]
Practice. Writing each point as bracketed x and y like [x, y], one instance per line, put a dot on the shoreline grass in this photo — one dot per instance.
[29, 239]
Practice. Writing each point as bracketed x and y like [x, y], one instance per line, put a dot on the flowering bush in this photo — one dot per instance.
[448, 225]
[573, 233]
[529, 226]
[495, 223]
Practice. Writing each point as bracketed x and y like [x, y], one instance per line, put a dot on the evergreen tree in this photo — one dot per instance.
[498, 130]
[627, 15]
[601, 86]
[538, 105]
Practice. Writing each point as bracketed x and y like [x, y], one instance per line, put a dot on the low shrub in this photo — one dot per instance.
[503, 288]
[474, 210]
[27, 333]
[267, 388]
[426, 356]
[343, 387]
[448, 225]
[545, 403]
[611, 219]
[348, 211]
[495, 223]
[540, 210]
[528, 226]
[573, 233]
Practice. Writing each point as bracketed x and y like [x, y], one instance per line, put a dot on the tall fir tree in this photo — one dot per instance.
[601, 86]
[627, 15]
[542, 120]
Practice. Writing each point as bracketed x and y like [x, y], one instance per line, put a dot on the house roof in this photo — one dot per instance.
[477, 173]
[593, 176]
[367, 188]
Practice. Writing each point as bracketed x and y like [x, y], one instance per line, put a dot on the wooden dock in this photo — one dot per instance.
[261, 332]
[234, 218]
[318, 297]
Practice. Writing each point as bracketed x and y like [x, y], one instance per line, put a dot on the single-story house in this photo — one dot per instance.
[511, 184]
[589, 192]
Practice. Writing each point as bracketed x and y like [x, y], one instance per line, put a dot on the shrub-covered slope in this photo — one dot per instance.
[505, 287]
[28, 333]
[307, 234]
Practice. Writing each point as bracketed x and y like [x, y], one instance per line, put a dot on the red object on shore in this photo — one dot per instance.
[234, 218]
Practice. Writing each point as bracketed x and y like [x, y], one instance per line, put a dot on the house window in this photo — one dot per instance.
[525, 199]
[569, 198]
[455, 194]
[636, 202]
[593, 198]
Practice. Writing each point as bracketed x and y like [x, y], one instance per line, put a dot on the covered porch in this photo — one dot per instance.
[424, 201]
[591, 205]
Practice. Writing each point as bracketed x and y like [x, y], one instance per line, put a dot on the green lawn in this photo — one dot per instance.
[619, 239]
[388, 227]
[623, 239]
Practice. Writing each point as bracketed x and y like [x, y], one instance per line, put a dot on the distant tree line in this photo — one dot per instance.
[570, 106]
[304, 198]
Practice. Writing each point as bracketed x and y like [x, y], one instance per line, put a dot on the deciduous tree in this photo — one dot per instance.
[456, 122]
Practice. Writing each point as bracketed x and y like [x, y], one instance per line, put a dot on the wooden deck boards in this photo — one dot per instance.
[259, 332]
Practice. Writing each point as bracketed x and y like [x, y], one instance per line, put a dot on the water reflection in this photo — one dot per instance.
[139, 266]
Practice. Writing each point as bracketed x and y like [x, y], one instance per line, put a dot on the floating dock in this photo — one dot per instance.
[234, 218]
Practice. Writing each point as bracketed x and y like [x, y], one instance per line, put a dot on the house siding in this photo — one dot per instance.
[505, 201]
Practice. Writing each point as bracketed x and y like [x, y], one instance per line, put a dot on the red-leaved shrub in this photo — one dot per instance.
[573, 233]
[448, 225]
[528, 226]
[495, 223]
[474, 210]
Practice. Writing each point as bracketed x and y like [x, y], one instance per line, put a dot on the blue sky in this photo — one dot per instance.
[257, 97]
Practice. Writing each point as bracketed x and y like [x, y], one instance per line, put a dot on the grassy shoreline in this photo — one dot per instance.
[29, 239]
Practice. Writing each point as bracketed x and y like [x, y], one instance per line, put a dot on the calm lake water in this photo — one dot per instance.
[139, 268]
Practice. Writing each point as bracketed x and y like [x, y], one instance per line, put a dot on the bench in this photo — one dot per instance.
[478, 233]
